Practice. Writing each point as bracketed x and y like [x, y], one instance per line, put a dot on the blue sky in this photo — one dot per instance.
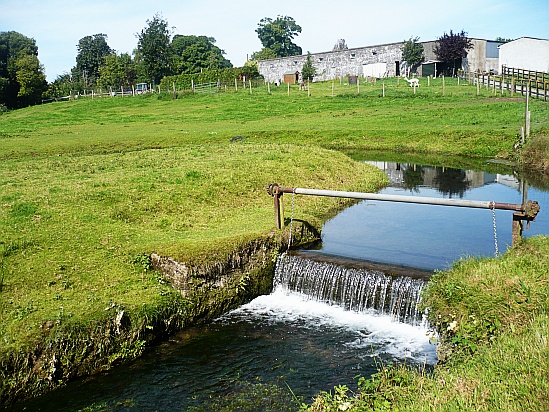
[58, 25]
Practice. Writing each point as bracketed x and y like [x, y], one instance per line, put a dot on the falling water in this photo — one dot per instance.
[353, 289]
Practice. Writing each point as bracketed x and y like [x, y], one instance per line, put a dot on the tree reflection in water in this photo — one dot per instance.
[413, 178]
[451, 182]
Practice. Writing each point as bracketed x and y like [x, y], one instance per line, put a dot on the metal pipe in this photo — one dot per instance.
[479, 204]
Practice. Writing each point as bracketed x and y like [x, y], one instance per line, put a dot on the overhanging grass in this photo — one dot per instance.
[494, 314]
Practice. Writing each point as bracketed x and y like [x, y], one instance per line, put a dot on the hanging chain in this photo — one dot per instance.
[291, 220]
[495, 228]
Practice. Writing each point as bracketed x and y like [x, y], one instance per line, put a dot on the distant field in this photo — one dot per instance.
[457, 122]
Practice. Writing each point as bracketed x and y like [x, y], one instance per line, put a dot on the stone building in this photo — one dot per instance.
[383, 60]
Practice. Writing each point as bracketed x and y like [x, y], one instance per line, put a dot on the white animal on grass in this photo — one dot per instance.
[412, 82]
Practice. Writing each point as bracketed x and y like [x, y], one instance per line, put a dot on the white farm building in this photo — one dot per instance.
[525, 53]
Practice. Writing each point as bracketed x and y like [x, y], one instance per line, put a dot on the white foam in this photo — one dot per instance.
[375, 334]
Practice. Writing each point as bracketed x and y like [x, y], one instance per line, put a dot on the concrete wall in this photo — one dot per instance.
[525, 53]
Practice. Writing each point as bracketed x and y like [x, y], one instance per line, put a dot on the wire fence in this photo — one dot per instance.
[128, 91]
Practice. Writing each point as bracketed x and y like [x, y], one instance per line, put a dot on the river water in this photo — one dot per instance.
[284, 348]
[427, 236]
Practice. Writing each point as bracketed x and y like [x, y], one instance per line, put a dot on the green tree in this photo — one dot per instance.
[192, 54]
[250, 69]
[451, 49]
[31, 78]
[264, 54]
[92, 51]
[117, 71]
[22, 79]
[153, 46]
[503, 40]
[308, 71]
[63, 85]
[412, 53]
[277, 35]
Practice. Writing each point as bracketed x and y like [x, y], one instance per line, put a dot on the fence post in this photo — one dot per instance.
[443, 84]
[527, 121]
[502, 80]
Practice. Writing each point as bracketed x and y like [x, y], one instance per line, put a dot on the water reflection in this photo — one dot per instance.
[432, 237]
[449, 182]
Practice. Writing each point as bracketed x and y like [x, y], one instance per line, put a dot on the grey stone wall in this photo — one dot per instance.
[358, 62]
[333, 65]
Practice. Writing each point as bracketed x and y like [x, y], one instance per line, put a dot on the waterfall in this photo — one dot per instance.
[354, 289]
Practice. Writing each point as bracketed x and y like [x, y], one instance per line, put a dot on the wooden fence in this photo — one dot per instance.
[213, 87]
[515, 81]
[524, 74]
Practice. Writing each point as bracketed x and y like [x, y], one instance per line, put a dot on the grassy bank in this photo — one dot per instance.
[90, 188]
[494, 315]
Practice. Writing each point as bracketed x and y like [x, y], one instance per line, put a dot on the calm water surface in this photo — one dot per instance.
[427, 236]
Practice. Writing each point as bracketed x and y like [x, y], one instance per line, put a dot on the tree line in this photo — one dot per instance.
[160, 54]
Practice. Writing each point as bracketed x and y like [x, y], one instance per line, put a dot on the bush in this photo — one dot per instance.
[225, 76]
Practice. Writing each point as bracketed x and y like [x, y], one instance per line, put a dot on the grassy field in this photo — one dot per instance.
[89, 188]
[456, 123]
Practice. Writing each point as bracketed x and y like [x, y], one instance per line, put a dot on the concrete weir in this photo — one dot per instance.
[214, 288]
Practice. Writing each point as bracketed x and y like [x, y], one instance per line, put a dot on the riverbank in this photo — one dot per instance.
[91, 190]
[493, 319]
[535, 155]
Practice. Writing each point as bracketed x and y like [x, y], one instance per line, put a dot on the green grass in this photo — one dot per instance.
[71, 225]
[89, 188]
[458, 123]
[494, 317]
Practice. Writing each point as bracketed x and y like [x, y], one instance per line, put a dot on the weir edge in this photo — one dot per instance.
[70, 351]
